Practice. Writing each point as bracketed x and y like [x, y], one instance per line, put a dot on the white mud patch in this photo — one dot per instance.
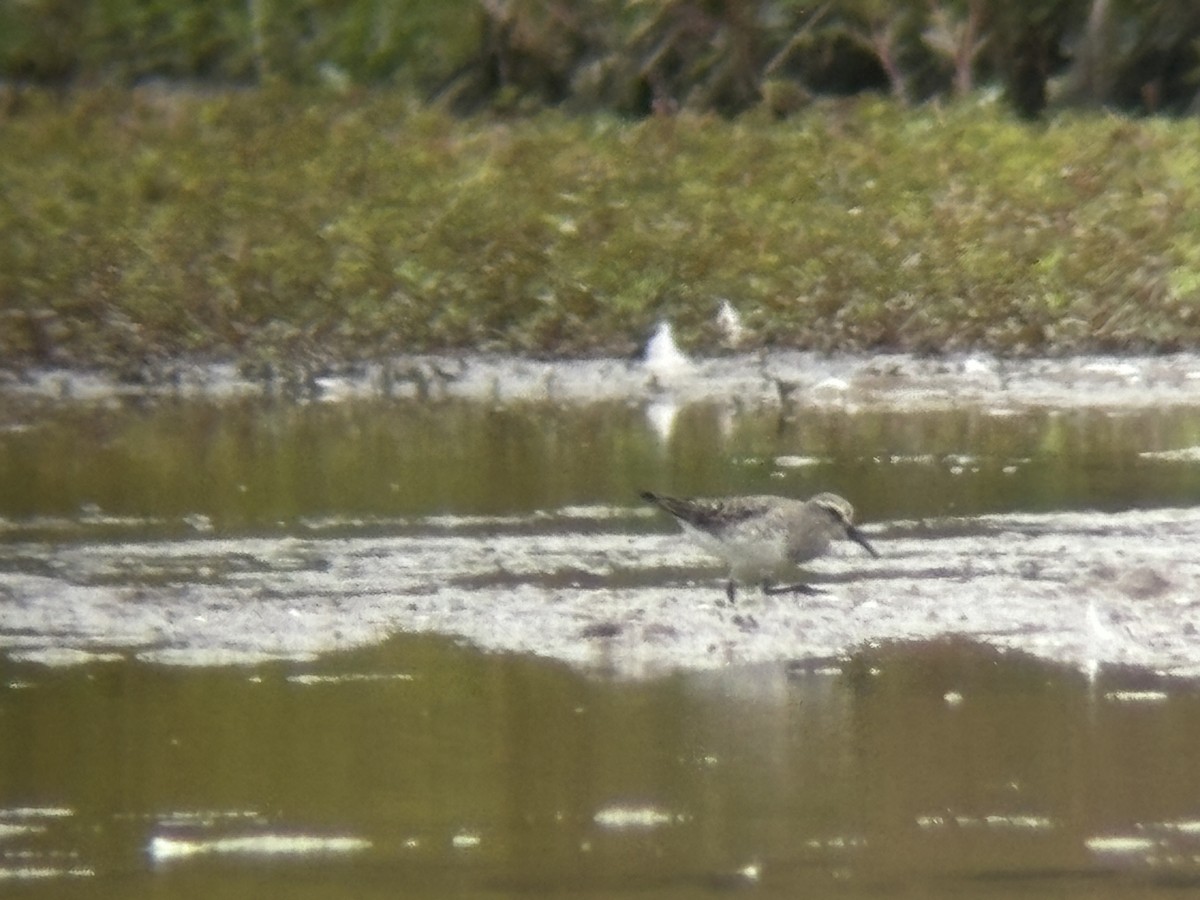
[604, 590]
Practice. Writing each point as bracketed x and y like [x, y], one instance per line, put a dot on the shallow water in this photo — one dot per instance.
[430, 642]
[419, 768]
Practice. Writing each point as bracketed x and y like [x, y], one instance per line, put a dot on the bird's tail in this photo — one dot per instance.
[686, 510]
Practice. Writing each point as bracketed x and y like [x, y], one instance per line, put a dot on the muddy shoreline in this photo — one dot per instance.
[782, 378]
[610, 586]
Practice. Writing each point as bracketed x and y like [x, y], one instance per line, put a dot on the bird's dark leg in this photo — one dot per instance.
[791, 589]
[745, 622]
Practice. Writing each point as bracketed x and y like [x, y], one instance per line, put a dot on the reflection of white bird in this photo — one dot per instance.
[730, 323]
[661, 415]
[663, 358]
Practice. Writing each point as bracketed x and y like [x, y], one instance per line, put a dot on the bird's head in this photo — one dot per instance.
[842, 514]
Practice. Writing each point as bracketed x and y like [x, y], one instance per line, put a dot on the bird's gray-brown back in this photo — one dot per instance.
[716, 515]
[803, 528]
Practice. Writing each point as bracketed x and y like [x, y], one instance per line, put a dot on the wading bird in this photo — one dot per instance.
[762, 537]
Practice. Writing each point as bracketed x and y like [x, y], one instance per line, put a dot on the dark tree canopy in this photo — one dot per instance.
[633, 58]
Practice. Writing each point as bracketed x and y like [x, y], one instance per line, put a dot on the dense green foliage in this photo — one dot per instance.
[628, 56]
[309, 225]
[234, 41]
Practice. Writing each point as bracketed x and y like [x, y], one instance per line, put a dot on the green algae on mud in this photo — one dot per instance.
[290, 227]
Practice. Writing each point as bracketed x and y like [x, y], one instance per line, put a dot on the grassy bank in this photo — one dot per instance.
[303, 225]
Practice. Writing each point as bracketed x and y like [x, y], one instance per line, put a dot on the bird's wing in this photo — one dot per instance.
[714, 515]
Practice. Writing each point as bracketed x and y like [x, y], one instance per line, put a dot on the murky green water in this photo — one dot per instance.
[257, 465]
[134, 532]
[425, 770]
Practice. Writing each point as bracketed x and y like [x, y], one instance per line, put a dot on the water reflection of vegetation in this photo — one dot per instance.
[256, 464]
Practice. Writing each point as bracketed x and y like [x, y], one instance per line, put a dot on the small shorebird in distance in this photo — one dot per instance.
[761, 537]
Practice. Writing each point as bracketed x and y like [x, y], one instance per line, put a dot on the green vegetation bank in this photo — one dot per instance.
[285, 195]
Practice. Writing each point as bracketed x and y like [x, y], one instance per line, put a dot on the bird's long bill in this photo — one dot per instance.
[859, 538]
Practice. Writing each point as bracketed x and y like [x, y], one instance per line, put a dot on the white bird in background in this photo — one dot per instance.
[730, 323]
[665, 362]
[663, 358]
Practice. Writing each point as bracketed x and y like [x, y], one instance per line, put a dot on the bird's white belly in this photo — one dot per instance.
[751, 557]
